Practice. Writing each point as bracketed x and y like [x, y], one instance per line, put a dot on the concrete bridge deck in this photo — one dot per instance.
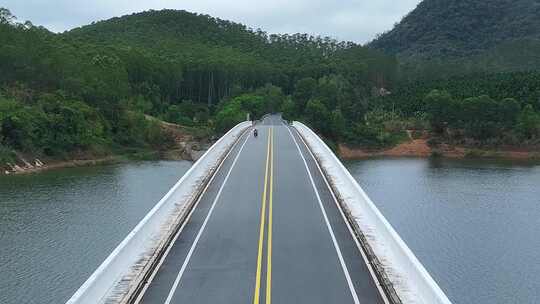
[267, 229]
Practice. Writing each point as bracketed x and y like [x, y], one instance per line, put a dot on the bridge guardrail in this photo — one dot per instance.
[408, 278]
[124, 269]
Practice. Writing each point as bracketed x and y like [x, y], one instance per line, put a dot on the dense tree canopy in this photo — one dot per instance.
[90, 88]
[442, 38]
[95, 83]
[457, 28]
[213, 56]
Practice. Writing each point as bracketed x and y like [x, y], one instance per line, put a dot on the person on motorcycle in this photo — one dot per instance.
[255, 132]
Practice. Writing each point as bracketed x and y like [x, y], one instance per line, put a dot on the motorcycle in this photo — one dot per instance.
[255, 133]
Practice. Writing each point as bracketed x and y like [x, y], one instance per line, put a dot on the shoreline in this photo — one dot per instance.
[420, 148]
[37, 166]
[413, 148]
[53, 165]
[186, 146]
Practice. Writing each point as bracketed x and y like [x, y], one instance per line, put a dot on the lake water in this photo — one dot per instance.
[57, 227]
[475, 225]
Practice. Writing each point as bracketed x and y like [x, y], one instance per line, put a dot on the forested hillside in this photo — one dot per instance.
[476, 109]
[212, 56]
[88, 89]
[469, 71]
[455, 37]
[457, 28]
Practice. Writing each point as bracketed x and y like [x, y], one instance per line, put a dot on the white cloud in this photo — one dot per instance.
[356, 20]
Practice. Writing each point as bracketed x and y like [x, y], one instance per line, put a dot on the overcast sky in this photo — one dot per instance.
[355, 20]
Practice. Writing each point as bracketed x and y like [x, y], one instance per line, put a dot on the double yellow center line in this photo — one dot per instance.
[267, 192]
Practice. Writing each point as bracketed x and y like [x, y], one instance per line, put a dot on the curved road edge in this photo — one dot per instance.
[403, 277]
[119, 278]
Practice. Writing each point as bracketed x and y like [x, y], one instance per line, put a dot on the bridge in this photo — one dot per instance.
[273, 218]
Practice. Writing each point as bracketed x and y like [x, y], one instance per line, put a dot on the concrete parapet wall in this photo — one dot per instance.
[403, 277]
[121, 274]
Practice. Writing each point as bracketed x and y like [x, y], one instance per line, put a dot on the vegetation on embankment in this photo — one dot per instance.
[423, 147]
[454, 124]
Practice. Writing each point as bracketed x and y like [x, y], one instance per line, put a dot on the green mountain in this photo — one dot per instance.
[498, 35]
[89, 89]
[215, 55]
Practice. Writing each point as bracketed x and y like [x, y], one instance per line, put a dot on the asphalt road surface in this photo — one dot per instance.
[267, 229]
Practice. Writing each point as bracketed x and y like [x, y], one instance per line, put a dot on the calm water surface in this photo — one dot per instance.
[56, 227]
[475, 225]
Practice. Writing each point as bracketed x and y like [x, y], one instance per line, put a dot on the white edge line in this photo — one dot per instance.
[82, 291]
[336, 245]
[186, 220]
[363, 253]
[188, 257]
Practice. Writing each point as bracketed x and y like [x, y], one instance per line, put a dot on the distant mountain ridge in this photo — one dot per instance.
[165, 31]
[225, 53]
[151, 28]
[464, 28]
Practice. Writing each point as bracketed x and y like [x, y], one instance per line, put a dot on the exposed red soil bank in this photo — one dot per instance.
[420, 148]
